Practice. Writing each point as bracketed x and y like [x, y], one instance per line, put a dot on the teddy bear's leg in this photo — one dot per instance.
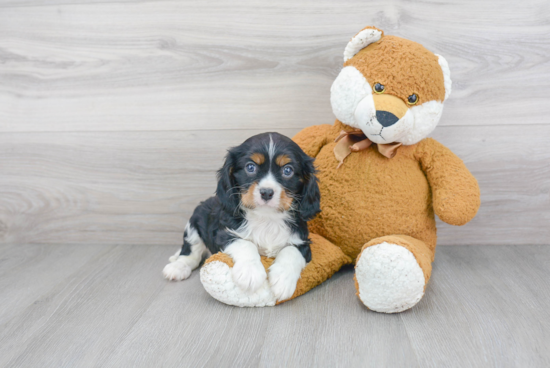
[391, 273]
[326, 260]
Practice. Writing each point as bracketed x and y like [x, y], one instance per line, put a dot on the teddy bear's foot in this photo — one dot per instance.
[389, 277]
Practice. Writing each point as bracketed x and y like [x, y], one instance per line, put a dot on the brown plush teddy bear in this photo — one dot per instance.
[381, 179]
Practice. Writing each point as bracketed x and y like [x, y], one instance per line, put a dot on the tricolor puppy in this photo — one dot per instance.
[267, 191]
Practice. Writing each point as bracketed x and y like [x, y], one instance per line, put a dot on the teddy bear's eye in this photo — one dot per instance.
[412, 99]
[379, 88]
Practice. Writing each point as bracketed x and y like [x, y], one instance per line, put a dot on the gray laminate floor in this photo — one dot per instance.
[108, 306]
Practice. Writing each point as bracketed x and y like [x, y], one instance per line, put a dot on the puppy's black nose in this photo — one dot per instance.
[266, 193]
[386, 118]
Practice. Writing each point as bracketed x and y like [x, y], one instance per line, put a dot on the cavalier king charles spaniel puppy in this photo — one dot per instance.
[267, 191]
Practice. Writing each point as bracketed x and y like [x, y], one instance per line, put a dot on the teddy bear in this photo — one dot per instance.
[382, 181]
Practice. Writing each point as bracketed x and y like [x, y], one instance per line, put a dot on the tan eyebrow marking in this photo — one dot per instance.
[282, 160]
[258, 158]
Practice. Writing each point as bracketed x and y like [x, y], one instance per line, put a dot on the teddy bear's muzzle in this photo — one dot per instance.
[389, 109]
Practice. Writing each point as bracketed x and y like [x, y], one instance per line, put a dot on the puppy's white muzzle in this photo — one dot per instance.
[268, 192]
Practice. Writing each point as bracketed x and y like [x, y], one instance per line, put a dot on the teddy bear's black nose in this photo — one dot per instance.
[386, 118]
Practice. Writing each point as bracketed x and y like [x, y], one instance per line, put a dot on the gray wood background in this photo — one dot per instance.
[114, 115]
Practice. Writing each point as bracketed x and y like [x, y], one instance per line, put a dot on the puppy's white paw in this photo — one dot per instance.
[249, 275]
[283, 281]
[174, 258]
[176, 271]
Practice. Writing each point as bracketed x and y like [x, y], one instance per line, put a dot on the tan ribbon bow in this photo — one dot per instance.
[355, 141]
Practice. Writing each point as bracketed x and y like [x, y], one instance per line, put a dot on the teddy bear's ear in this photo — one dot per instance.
[361, 40]
[446, 74]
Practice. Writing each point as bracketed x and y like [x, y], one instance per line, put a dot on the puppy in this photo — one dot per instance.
[266, 193]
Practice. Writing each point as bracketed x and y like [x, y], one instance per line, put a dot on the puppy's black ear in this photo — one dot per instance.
[226, 191]
[310, 197]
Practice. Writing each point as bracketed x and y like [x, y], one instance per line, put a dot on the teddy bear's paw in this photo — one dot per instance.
[217, 279]
[389, 278]
[176, 271]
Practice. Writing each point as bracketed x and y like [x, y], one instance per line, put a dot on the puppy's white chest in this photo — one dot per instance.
[268, 231]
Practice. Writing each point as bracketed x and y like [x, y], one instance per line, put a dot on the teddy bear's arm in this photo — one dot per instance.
[312, 139]
[455, 190]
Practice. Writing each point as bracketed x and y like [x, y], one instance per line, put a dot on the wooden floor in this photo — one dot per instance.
[108, 306]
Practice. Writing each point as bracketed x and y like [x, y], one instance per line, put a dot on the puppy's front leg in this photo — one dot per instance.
[248, 272]
[285, 272]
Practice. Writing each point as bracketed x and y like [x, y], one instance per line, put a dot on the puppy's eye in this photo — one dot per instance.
[250, 168]
[412, 99]
[379, 88]
[288, 171]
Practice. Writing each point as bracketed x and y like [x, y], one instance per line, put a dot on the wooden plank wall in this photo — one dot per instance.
[114, 116]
